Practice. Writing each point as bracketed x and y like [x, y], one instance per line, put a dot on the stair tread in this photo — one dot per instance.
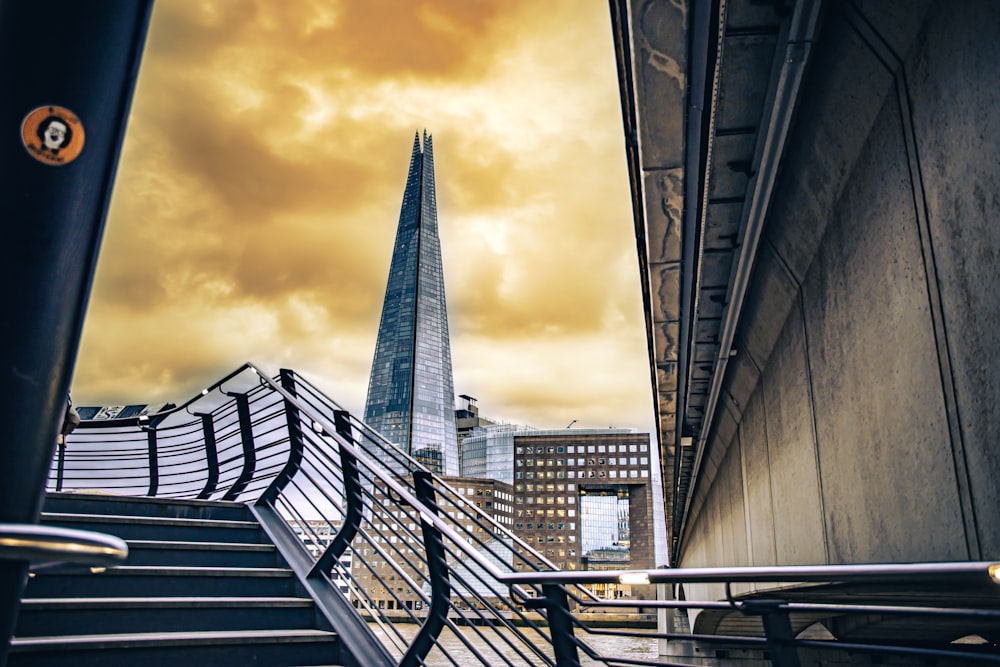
[183, 571]
[57, 517]
[162, 602]
[68, 642]
[106, 497]
[200, 546]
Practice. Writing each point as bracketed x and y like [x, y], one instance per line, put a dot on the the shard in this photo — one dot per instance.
[411, 392]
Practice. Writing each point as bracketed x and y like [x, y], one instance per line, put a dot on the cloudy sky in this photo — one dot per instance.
[261, 179]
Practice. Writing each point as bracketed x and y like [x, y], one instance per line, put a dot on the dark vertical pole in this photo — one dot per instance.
[154, 464]
[437, 570]
[249, 452]
[296, 441]
[352, 497]
[82, 56]
[561, 626]
[61, 468]
[777, 630]
[211, 456]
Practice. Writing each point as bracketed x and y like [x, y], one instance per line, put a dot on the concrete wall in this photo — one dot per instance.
[860, 419]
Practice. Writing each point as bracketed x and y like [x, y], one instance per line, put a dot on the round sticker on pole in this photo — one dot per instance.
[53, 135]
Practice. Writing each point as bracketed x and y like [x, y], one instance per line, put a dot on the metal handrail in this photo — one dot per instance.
[43, 546]
[297, 456]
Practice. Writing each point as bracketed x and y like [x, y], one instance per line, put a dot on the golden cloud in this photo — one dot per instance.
[262, 176]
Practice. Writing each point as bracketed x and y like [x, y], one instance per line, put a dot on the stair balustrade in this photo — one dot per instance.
[406, 569]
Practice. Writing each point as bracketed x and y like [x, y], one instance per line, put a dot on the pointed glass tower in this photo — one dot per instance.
[411, 397]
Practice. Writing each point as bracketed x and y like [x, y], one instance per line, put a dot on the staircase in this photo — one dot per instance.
[202, 585]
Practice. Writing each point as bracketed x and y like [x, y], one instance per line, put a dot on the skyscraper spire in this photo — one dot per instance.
[411, 391]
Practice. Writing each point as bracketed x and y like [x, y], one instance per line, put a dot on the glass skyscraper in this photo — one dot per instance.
[411, 396]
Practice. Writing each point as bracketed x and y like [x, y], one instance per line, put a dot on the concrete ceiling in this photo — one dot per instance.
[708, 90]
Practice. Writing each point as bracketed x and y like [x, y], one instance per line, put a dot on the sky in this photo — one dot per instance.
[261, 179]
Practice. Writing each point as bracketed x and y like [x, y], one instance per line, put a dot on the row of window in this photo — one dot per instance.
[545, 526]
[583, 474]
[550, 500]
[590, 449]
[546, 513]
[554, 539]
[545, 487]
[591, 461]
[466, 491]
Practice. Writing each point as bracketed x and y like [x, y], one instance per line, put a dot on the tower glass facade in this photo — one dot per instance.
[411, 396]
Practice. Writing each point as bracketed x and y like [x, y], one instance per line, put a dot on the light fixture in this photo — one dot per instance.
[634, 578]
[994, 571]
[204, 392]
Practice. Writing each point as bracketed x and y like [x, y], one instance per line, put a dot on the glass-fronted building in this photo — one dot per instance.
[411, 396]
[488, 452]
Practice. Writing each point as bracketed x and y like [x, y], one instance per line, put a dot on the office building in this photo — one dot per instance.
[583, 499]
[411, 397]
[378, 581]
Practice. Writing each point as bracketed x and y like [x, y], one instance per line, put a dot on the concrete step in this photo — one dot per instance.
[57, 616]
[130, 527]
[185, 553]
[161, 581]
[101, 503]
[257, 647]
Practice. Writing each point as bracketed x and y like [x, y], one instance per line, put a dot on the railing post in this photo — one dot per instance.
[437, 566]
[249, 453]
[561, 626]
[211, 456]
[61, 466]
[154, 467]
[296, 443]
[777, 630]
[352, 497]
